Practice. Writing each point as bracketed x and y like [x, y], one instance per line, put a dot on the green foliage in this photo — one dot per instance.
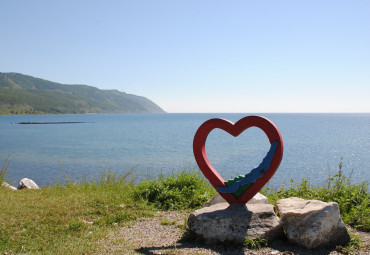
[353, 199]
[22, 94]
[255, 243]
[184, 190]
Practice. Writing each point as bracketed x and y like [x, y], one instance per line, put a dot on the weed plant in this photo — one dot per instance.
[255, 243]
[4, 163]
[353, 199]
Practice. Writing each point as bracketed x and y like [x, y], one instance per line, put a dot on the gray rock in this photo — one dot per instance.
[235, 223]
[7, 185]
[312, 223]
[216, 199]
[26, 183]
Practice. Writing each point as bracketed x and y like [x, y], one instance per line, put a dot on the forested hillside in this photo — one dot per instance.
[23, 94]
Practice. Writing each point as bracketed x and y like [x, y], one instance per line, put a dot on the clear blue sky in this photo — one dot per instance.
[199, 56]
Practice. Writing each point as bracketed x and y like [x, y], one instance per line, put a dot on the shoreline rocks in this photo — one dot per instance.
[26, 183]
[7, 185]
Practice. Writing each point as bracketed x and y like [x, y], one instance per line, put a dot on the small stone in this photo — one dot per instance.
[7, 185]
[87, 222]
[26, 183]
[258, 199]
[235, 223]
[312, 223]
[216, 199]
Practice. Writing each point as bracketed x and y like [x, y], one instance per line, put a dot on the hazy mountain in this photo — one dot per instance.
[23, 94]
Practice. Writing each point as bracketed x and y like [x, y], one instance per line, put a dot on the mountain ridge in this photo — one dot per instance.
[25, 94]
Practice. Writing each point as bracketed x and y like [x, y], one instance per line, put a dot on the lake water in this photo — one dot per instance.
[156, 144]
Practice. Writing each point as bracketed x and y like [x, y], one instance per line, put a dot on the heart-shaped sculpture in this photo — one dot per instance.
[242, 188]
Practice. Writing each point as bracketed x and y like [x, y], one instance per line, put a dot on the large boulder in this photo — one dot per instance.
[312, 223]
[216, 199]
[26, 183]
[234, 223]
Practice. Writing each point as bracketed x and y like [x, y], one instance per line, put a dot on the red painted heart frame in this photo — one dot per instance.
[199, 148]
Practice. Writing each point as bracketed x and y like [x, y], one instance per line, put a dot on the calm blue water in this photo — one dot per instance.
[156, 144]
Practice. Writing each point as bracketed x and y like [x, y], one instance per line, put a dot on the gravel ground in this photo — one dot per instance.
[162, 235]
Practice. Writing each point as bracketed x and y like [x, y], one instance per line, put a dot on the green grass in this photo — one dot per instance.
[66, 219]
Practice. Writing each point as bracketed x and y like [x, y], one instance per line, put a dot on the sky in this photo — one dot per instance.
[198, 56]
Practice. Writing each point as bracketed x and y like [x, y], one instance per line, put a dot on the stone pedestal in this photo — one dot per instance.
[235, 223]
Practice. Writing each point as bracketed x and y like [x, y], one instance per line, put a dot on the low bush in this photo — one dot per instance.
[184, 190]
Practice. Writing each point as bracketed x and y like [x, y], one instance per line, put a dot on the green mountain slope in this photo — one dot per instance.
[23, 94]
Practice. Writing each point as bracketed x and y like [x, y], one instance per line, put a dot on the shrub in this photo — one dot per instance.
[180, 191]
